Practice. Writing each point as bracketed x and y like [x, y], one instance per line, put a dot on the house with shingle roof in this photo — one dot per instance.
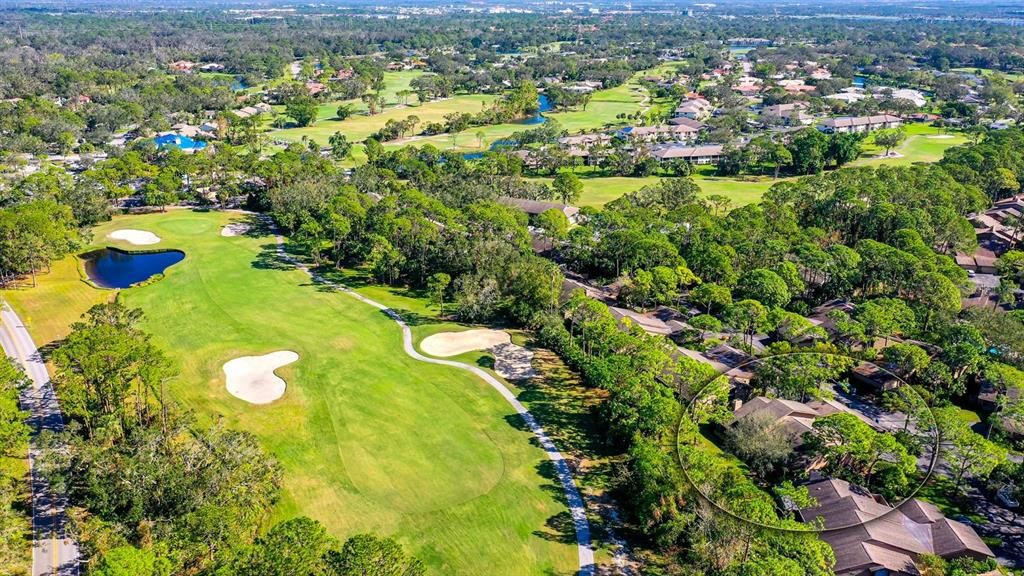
[870, 537]
[860, 123]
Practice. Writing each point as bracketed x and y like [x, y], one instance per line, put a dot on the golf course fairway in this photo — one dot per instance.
[370, 440]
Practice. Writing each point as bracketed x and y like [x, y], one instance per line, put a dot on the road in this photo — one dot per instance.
[53, 552]
[577, 507]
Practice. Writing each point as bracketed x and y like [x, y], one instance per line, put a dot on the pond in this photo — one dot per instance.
[113, 268]
[543, 105]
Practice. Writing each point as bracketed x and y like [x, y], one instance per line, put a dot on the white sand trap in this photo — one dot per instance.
[137, 237]
[454, 343]
[235, 229]
[252, 378]
[513, 362]
[941, 137]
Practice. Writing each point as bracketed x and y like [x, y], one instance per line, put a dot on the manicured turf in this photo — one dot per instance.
[1010, 76]
[370, 439]
[600, 114]
[357, 128]
[600, 190]
[59, 299]
[924, 143]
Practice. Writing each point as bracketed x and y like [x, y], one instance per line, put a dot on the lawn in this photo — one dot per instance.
[59, 299]
[924, 143]
[599, 190]
[370, 439]
[359, 127]
[1010, 76]
[600, 114]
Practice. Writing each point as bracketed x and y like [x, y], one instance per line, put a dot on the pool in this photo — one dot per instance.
[184, 143]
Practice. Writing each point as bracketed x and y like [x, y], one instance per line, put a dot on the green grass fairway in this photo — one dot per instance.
[358, 127]
[599, 190]
[1010, 76]
[59, 299]
[924, 143]
[370, 439]
[600, 114]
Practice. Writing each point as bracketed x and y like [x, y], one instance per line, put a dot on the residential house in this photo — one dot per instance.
[535, 207]
[874, 377]
[182, 66]
[694, 109]
[796, 418]
[684, 121]
[907, 94]
[870, 538]
[791, 114]
[661, 133]
[847, 124]
[706, 154]
[846, 97]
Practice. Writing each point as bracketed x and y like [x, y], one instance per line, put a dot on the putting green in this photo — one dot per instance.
[370, 439]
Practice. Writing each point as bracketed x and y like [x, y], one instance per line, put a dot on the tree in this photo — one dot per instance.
[936, 294]
[554, 223]
[345, 110]
[706, 323]
[711, 295]
[890, 138]
[885, 317]
[373, 101]
[14, 432]
[567, 187]
[131, 561]
[747, 316]
[799, 376]
[764, 286]
[302, 109]
[906, 359]
[970, 452]
[292, 548]
[762, 444]
[368, 555]
[437, 285]
[340, 146]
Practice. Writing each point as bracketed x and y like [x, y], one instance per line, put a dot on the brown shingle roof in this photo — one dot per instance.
[866, 533]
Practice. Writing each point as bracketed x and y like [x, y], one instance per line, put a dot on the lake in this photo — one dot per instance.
[113, 268]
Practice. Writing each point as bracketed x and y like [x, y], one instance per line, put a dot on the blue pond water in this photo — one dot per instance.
[113, 268]
[544, 105]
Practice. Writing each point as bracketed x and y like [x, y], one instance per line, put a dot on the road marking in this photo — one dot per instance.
[31, 368]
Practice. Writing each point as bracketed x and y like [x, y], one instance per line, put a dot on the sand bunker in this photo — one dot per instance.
[513, 362]
[941, 137]
[454, 343]
[235, 229]
[252, 378]
[137, 237]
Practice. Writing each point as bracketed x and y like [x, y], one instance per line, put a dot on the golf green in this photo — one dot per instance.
[370, 439]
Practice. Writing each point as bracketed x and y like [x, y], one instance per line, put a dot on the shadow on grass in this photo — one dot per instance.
[558, 528]
[269, 259]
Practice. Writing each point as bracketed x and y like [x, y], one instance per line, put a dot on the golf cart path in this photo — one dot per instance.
[54, 552]
[572, 495]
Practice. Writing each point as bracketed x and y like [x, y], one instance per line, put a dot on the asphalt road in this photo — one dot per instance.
[53, 552]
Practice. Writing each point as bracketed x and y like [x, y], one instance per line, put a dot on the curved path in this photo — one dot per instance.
[54, 551]
[572, 495]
